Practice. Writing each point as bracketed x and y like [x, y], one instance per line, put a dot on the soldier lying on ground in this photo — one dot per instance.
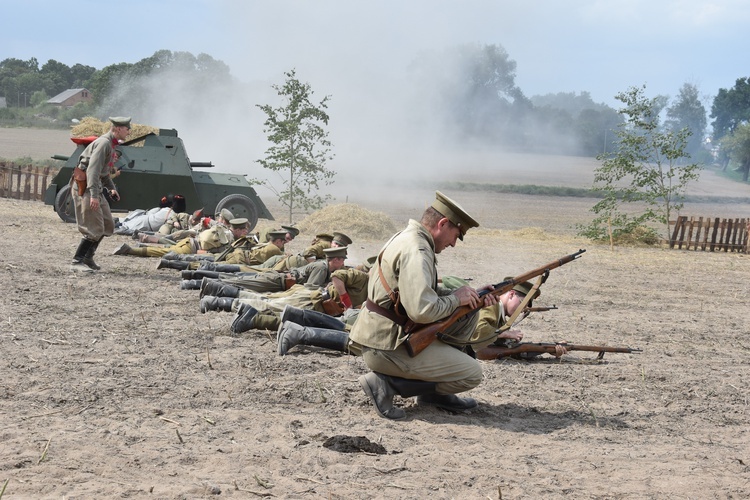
[346, 291]
[213, 240]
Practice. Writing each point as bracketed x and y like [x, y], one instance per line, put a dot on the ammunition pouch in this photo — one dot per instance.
[289, 281]
[332, 308]
[79, 176]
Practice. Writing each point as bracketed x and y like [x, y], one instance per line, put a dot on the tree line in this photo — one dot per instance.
[472, 85]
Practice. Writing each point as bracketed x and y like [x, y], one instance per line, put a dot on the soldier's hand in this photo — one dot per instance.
[467, 296]
[114, 195]
[560, 350]
[94, 203]
[488, 299]
[516, 335]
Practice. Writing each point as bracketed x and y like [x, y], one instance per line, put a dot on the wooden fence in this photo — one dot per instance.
[712, 234]
[24, 182]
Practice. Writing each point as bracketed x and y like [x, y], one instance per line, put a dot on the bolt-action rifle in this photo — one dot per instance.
[495, 352]
[420, 336]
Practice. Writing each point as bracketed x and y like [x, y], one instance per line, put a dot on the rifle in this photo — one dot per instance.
[246, 242]
[496, 352]
[536, 309]
[420, 336]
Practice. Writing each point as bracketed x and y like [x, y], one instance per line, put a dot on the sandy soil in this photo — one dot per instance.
[115, 385]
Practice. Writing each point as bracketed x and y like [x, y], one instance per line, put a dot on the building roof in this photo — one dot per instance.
[64, 96]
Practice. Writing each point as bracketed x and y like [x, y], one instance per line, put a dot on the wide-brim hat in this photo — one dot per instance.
[454, 213]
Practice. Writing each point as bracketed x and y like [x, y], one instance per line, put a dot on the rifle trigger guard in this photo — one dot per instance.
[545, 275]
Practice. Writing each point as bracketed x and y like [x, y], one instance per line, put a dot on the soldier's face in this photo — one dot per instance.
[514, 302]
[445, 235]
[335, 263]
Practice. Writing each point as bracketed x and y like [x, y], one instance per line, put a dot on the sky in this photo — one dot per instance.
[358, 52]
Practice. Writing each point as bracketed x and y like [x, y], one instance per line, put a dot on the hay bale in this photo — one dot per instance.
[94, 126]
[350, 219]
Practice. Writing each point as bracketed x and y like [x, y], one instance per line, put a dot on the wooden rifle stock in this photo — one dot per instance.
[495, 352]
[423, 335]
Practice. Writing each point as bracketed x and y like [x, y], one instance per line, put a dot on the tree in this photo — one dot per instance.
[737, 147]
[645, 169]
[688, 112]
[731, 108]
[301, 147]
[474, 85]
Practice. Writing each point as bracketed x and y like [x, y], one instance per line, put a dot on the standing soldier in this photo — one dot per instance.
[90, 177]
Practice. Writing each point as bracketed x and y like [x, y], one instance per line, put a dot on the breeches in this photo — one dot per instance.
[453, 370]
[93, 224]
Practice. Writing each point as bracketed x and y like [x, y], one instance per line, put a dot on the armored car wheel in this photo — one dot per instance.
[240, 206]
[64, 204]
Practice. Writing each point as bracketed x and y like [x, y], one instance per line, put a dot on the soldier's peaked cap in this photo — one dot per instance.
[454, 213]
[324, 236]
[291, 230]
[120, 121]
[226, 214]
[335, 252]
[239, 222]
[341, 239]
[277, 234]
[524, 288]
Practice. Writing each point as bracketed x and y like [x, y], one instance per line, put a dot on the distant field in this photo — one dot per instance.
[38, 144]
[402, 199]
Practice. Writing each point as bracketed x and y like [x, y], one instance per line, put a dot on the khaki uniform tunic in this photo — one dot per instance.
[95, 224]
[253, 257]
[409, 266]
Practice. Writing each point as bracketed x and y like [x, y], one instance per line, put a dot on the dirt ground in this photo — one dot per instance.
[115, 385]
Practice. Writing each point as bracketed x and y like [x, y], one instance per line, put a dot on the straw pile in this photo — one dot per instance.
[350, 219]
[93, 126]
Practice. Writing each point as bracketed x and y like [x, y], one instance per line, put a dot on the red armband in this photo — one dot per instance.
[346, 301]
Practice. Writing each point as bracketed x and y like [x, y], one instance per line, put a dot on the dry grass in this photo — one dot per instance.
[350, 219]
[93, 126]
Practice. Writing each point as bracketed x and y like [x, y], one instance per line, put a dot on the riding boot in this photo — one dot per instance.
[88, 259]
[291, 334]
[198, 257]
[190, 285]
[209, 303]
[217, 288]
[449, 402]
[123, 249]
[172, 264]
[221, 268]
[307, 317]
[381, 389]
[78, 265]
[198, 274]
[245, 319]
